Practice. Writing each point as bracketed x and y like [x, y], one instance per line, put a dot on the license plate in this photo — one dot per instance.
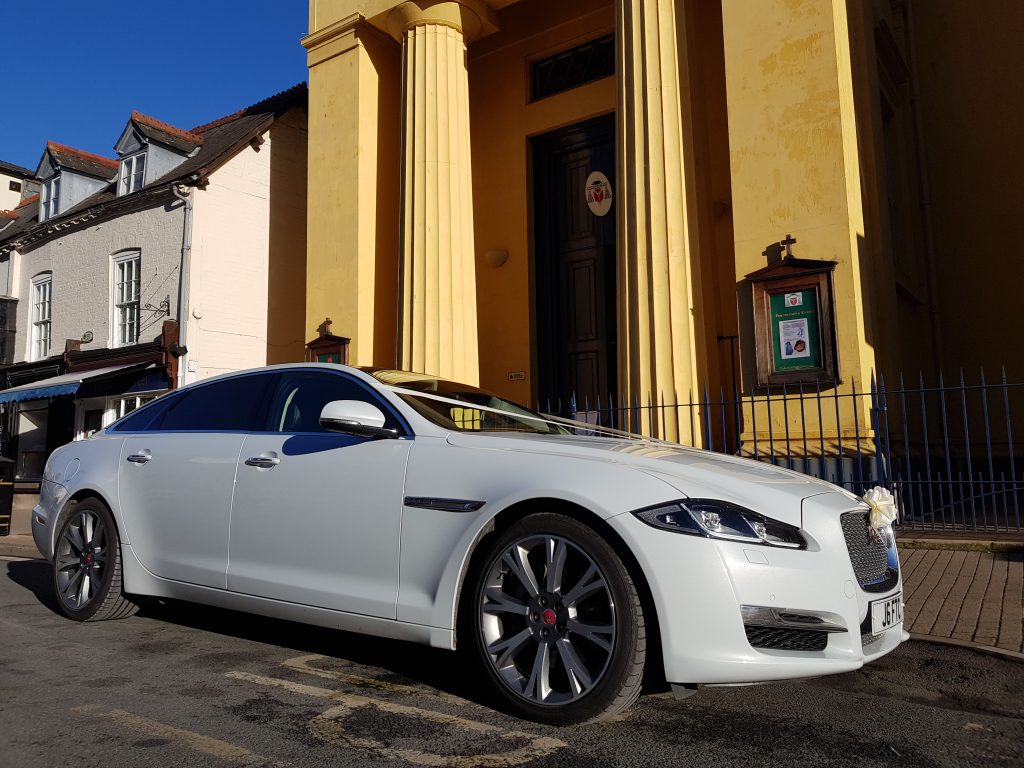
[886, 614]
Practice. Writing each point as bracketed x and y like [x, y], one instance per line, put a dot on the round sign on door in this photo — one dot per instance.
[599, 194]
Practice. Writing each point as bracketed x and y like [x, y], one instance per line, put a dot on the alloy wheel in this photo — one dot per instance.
[547, 618]
[81, 559]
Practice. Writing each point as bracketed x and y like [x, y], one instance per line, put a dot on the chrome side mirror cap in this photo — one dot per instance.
[354, 417]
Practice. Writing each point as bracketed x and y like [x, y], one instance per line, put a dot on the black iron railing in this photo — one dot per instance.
[948, 451]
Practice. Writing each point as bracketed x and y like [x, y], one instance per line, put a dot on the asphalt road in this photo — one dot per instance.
[186, 685]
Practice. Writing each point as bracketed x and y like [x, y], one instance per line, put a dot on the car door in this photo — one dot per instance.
[177, 472]
[316, 517]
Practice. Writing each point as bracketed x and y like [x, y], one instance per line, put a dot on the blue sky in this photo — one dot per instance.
[73, 70]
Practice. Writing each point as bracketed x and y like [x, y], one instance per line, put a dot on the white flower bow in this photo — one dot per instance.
[883, 507]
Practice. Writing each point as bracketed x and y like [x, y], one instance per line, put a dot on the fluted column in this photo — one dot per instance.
[438, 330]
[657, 336]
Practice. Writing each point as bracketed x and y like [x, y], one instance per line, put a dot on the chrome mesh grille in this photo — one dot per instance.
[869, 555]
[867, 640]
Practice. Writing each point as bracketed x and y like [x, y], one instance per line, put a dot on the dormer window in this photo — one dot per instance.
[133, 173]
[50, 198]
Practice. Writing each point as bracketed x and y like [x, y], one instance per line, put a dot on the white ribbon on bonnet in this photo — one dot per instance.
[883, 508]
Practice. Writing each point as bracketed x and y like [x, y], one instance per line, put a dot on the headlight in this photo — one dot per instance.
[721, 520]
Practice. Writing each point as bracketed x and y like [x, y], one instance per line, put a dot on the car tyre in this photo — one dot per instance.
[557, 622]
[87, 564]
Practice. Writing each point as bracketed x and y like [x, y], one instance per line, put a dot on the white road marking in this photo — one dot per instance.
[329, 727]
[305, 664]
[207, 745]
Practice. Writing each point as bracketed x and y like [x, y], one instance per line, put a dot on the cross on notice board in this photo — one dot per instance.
[789, 242]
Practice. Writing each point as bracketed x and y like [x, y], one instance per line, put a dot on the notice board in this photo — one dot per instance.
[794, 332]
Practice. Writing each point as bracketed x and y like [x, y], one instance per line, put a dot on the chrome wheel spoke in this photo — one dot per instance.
[73, 536]
[498, 602]
[555, 552]
[599, 634]
[65, 562]
[538, 685]
[87, 528]
[577, 672]
[591, 582]
[68, 592]
[84, 588]
[519, 565]
[506, 648]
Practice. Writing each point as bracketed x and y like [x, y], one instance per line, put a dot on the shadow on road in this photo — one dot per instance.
[406, 662]
[37, 577]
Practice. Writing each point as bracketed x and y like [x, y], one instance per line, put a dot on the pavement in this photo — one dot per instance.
[958, 588]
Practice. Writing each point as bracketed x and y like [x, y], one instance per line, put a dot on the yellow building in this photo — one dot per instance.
[551, 197]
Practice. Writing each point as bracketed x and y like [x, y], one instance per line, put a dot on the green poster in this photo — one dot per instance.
[795, 330]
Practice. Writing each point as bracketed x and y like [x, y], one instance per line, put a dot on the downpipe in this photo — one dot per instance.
[183, 278]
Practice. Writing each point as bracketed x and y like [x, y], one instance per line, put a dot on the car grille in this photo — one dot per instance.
[867, 640]
[873, 558]
[786, 639]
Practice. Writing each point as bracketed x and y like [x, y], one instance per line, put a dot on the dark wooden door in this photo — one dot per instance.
[574, 265]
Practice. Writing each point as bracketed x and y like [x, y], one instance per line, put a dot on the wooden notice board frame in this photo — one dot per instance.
[794, 328]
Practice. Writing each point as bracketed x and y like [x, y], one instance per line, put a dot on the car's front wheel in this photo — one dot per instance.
[87, 564]
[558, 623]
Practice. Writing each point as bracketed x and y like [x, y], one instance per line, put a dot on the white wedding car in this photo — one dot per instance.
[564, 557]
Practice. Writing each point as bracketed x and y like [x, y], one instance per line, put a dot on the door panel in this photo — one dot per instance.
[175, 498]
[316, 517]
[575, 264]
[322, 526]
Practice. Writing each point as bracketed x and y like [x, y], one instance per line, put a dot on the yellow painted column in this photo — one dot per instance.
[353, 162]
[438, 329]
[656, 257]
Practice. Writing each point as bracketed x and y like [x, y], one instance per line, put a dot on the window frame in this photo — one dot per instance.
[373, 397]
[134, 180]
[166, 402]
[49, 198]
[38, 342]
[118, 262]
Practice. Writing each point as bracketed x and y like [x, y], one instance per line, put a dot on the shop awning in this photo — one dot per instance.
[67, 384]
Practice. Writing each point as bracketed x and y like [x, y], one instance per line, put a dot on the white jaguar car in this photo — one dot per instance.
[565, 558]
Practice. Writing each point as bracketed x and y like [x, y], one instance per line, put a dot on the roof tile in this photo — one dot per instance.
[80, 160]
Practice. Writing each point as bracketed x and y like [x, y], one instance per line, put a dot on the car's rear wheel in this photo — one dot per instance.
[87, 565]
[558, 622]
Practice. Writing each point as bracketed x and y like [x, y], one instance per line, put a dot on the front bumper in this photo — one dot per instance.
[698, 585]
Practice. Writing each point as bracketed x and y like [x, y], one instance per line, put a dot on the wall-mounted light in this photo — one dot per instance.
[496, 258]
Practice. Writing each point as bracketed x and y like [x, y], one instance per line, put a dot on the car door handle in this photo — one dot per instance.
[138, 458]
[264, 462]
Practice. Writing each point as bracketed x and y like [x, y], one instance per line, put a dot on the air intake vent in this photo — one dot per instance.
[786, 639]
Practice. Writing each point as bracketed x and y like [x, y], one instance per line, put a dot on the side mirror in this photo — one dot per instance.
[354, 417]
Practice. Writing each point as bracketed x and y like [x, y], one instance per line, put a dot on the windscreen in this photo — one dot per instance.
[464, 408]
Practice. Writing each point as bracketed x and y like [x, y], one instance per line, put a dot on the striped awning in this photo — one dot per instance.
[66, 384]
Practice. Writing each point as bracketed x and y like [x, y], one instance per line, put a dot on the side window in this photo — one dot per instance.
[301, 396]
[229, 405]
[141, 419]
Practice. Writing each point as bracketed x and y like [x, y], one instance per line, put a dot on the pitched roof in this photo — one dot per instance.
[166, 133]
[15, 170]
[10, 215]
[81, 161]
[222, 139]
